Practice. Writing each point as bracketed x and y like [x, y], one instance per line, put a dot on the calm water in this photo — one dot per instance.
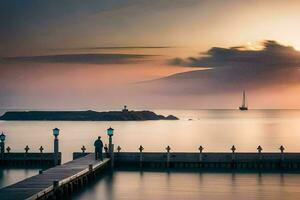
[193, 186]
[10, 176]
[216, 130]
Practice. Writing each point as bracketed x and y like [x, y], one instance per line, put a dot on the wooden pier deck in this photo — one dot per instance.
[75, 173]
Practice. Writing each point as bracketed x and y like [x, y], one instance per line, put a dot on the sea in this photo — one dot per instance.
[215, 130]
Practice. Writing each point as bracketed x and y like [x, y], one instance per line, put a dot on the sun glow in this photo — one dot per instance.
[254, 46]
[297, 47]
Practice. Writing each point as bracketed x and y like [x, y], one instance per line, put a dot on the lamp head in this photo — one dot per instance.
[110, 131]
[2, 137]
[55, 132]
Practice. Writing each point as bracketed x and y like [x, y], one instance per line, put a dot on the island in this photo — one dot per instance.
[124, 115]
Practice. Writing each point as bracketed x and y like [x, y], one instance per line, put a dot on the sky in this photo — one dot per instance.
[160, 54]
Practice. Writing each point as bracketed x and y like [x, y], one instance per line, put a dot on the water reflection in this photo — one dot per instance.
[10, 176]
[193, 186]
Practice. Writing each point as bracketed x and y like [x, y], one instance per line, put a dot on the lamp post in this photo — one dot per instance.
[56, 146]
[110, 133]
[2, 144]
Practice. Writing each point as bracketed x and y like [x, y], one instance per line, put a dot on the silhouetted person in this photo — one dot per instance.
[98, 149]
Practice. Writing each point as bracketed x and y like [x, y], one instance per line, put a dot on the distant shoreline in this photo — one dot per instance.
[124, 115]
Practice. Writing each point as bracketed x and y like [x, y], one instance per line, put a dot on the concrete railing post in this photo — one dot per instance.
[119, 149]
[168, 148]
[281, 148]
[41, 152]
[41, 149]
[56, 145]
[90, 167]
[259, 149]
[106, 151]
[26, 149]
[83, 149]
[200, 153]
[91, 172]
[25, 155]
[55, 184]
[141, 148]
[233, 153]
[8, 149]
[56, 189]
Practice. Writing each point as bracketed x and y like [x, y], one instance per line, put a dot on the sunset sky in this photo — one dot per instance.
[102, 54]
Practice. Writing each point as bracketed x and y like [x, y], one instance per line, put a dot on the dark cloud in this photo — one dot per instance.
[234, 69]
[131, 47]
[81, 58]
[272, 54]
[116, 48]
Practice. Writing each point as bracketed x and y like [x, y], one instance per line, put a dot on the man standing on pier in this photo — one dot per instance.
[98, 149]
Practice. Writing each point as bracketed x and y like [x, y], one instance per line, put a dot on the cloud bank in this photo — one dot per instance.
[81, 58]
[234, 69]
[272, 54]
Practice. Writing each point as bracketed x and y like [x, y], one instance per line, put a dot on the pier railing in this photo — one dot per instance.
[205, 160]
[18, 159]
[30, 158]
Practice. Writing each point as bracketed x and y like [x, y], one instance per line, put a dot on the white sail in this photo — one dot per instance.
[244, 99]
[244, 105]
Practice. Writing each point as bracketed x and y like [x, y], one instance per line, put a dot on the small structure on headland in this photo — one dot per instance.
[125, 109]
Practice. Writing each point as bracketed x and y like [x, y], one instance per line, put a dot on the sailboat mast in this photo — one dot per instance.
[244, 106]
[244, 98]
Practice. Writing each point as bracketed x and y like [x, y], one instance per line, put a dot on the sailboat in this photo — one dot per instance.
[243, 107]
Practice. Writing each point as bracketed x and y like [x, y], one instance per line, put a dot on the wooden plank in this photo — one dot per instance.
[31, 187]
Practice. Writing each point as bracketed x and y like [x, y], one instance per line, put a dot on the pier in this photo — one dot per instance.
[212, 161]
[58, 182]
